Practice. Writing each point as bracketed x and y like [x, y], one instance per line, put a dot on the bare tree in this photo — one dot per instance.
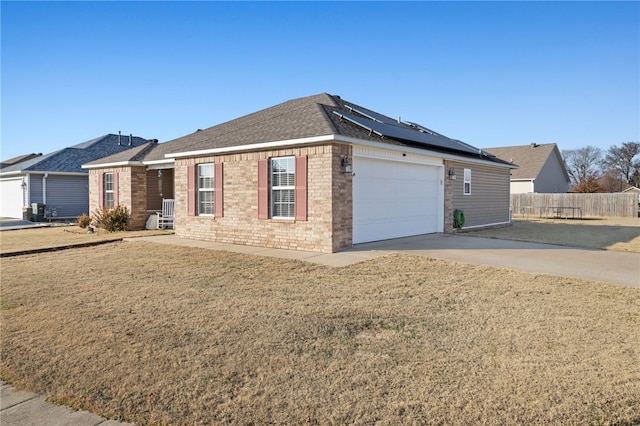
[583, 166]
[623, 162]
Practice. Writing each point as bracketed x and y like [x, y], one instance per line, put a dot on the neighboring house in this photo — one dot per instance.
[56, 180]
[541, 168]
[608, 183]
[316, 173]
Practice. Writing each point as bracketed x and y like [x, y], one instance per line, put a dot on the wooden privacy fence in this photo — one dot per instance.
[588, 205]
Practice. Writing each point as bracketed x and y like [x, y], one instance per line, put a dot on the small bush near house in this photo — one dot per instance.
[84, 220]
[111, 220]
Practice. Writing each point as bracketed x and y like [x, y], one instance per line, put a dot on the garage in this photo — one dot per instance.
[12, 197]
[393, 199]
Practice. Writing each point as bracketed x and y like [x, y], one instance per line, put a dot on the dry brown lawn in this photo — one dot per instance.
[61, 236]
[620, 234]
[157, 334]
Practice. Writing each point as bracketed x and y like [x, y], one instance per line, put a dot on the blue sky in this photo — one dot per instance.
[488, 73]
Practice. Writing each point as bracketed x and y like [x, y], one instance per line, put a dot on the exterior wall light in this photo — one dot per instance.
[345, 164]
[452, 173]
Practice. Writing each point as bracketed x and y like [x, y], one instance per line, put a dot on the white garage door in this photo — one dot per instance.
[392, 199]
[11, 194]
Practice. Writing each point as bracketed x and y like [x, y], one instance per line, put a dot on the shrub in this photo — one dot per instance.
[84, 220]
[111, 220]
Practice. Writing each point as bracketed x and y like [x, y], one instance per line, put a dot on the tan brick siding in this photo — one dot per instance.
[132, 191]
[328, 189]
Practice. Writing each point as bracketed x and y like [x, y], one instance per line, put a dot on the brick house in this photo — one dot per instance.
[315, 173]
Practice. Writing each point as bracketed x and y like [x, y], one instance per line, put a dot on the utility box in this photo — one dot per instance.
[38, 212]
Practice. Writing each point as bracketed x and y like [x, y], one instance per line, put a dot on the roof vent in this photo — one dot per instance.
[534, 145]
[130, 138]
[119, 138]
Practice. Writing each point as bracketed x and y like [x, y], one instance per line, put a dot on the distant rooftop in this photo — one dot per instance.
[70, 160]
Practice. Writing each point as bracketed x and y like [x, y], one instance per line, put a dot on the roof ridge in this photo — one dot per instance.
[146, 148]
[266, 118]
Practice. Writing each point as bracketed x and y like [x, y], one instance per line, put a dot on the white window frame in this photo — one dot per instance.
[107, 196]
[467, 182]
[281, 184]
[206, 189]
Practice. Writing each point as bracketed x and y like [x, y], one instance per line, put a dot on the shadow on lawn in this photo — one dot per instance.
[567, 233]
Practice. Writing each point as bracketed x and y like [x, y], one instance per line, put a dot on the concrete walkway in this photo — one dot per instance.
[597, 265]
[19, 408]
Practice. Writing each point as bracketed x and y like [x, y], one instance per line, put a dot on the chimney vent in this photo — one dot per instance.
[130, 138]
[119, 137]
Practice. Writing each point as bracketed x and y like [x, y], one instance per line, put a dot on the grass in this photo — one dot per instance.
[61, 236]
[619, 234]
[159, 334]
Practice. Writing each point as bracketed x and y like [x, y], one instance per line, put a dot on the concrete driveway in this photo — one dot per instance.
[596, 265]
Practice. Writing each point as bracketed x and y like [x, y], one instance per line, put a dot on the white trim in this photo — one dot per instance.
[169, 158]
[273, 188]
[27, 189]
[116, 164]
[385, 154]
[44, 188]
[419, 151]
[156, 163]
[159, 166]
[25, 173]
[485, 225]
[253, 147]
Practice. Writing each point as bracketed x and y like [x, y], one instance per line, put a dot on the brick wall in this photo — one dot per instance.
[132, 191]
[328, 189]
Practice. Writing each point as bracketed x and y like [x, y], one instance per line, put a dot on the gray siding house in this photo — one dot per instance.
[541, 168]
[56, 180]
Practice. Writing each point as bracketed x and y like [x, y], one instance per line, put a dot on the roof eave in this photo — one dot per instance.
[436, 154]
[114, 164]
[334, 138]
[253, 147]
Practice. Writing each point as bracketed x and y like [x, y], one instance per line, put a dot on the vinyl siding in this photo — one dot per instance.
[551, 179]
[35, 189]
[68, 195]
[489, 201]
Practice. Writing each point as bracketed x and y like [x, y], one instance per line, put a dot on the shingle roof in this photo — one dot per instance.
[70, 160]
[308, 117]
[19, 159]
[530, 158]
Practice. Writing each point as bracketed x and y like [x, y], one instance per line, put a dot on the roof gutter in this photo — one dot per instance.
[127, 164]
[39, 172]
[435, 154]
[253, 147]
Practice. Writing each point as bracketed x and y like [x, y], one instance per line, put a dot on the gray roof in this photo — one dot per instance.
[530, 158]
[308, 117]
[70, 160]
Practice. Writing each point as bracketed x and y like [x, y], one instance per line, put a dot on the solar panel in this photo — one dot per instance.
[371, 115]
[407, 134]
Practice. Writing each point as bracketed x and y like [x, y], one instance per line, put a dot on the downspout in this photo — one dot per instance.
[26, 190]
[44, 188]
